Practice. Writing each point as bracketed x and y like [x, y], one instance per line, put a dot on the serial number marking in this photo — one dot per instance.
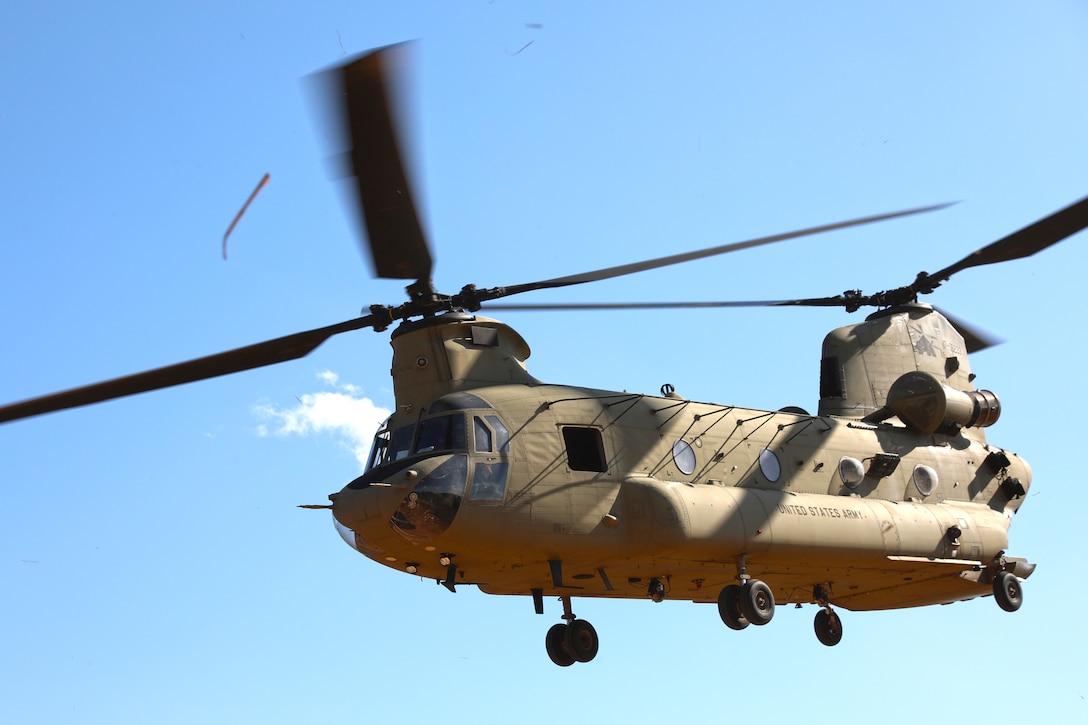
[828, 512]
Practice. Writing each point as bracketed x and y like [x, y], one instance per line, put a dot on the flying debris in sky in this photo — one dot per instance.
[234, 222]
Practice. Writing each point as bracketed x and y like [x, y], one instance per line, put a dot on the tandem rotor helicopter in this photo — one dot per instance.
[888, 497]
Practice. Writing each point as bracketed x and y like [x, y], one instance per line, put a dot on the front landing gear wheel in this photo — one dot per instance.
[1007, 591]
[828, 627]
[581, 640]
[756, 602]
[556, 642]
[729, 608]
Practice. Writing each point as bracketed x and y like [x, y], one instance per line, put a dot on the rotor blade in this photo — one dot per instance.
[269, 352]
[576, 306]
[1025, 242]
[395, 237]
[974, 337]
[837, 301]
[703, 253]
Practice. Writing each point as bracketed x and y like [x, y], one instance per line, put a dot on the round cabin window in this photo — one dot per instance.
[769, 465]
[684, 457]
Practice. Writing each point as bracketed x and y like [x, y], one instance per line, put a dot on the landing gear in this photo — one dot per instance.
[827, 624]
[556, 642]
[729, 608]
[1007, 591]
[750, 603]
[828, 627]
[756, 602]
[572, 641]
[581, 640]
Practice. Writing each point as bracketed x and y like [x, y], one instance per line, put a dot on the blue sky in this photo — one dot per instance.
[154, 565]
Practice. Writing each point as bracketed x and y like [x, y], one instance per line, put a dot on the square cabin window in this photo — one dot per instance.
[585, 449]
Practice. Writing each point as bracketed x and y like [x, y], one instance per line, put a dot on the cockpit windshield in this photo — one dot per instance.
[440, 433]
[451, 424]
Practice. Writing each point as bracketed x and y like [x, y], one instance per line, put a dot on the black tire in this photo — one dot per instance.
[756, 602]
[729, 608]
[828, 628]
[556, 642]
[581, 640]
[1008, 592]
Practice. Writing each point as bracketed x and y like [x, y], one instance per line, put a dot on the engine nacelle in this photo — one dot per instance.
[924, 403]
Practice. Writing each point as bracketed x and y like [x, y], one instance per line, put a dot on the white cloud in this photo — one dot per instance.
[342, 412]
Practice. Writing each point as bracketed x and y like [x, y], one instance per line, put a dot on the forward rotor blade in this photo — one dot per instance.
[703, 253]
[395, 237]
[1025, 242]
[270, 352]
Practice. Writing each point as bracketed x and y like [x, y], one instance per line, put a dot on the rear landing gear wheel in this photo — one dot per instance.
[729, 608]
[556, 642]
[828, 627]
[756, 602]
[581, 640]
[1007, 591]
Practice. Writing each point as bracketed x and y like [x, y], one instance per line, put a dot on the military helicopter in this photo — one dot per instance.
[888, 497]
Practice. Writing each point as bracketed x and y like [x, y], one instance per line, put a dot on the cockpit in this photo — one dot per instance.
[460, 447]
[443, 427]
[439, 433]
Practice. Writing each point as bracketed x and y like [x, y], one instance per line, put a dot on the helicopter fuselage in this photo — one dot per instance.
[528, 488]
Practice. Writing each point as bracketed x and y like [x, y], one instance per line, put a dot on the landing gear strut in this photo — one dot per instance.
[574, 640]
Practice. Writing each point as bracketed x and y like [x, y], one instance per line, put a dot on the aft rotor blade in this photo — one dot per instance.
[1025, 242]
[270, 352]
[974, 337]
[396, 241]
[703, 253]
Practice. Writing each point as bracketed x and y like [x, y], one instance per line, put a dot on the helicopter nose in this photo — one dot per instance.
[415, 504]
[361, 514]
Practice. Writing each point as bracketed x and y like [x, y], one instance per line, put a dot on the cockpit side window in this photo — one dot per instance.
[489, 476]
[490, 434]
[390, 447]
[482, 435]
[378, 450]
[400, 443]
[489, 481]
[502, 436]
